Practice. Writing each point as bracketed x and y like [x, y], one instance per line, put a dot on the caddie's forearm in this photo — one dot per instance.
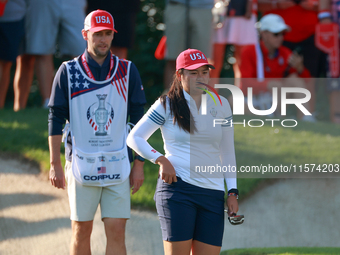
[54, 142]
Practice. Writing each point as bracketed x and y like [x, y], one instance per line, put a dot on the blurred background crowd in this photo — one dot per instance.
[290, 42]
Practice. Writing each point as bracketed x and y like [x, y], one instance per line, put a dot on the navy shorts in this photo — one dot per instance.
[189, 212]
[11, 37]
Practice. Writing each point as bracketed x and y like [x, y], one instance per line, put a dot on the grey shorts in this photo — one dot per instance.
[50, 23]
[200, 32]
[114, 200]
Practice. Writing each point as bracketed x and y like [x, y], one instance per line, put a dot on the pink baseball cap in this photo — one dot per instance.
[191, 59]
[99, 20]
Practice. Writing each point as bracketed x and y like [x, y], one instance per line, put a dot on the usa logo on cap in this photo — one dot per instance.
[99, 20]
[192, 59]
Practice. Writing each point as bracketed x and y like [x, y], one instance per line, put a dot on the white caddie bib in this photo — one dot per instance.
[98, 114]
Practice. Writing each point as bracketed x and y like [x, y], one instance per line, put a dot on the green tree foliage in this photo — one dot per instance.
[149, 31]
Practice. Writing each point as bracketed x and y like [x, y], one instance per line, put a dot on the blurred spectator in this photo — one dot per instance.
[188, 25]
[48, 24]
[12, 31]
[301, 16]
[125, 16]
[269, 59]
[238, 29]
[330, 12]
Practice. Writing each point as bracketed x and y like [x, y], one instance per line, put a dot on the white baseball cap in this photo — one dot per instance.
[273, 23]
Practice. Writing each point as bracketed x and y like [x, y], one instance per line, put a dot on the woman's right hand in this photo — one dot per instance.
[166, 170]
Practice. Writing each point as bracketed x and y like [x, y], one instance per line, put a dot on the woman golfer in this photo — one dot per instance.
[199, 156]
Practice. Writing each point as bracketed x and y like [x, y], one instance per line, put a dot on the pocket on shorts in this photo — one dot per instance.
[165, 190]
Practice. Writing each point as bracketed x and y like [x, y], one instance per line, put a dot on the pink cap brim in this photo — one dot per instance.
[195, 66]
[97, 29]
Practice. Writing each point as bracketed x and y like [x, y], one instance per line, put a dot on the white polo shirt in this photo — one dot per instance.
[192, 154]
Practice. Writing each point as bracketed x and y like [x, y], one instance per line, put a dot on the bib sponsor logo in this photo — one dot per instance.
[102, 177]
[80, 157]
[90, 160]
[103, 19]
[114, 158]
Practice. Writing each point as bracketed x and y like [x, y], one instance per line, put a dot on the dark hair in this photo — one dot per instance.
[178, 105]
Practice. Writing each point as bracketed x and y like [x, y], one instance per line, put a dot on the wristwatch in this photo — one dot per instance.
[233, 192]
[140, 158]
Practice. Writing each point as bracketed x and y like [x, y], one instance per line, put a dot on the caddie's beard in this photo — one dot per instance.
[99, 54]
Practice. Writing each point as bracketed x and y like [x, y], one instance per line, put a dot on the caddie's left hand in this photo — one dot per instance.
[232, 205]
[136, 176]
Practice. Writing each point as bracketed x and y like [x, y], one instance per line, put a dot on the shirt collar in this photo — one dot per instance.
[187, 96]
[90, 61]
[190, 101]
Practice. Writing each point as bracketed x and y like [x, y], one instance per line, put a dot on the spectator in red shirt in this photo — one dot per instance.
[269, 59]
[301, 17]
[330, 12]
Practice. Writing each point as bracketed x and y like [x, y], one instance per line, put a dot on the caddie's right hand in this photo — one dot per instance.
[166, 170]
[57, 176]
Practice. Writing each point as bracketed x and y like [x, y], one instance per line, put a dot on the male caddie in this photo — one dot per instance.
[95, 93]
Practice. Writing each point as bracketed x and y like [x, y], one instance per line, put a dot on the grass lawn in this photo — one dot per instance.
[283, 251]
[25, 134]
